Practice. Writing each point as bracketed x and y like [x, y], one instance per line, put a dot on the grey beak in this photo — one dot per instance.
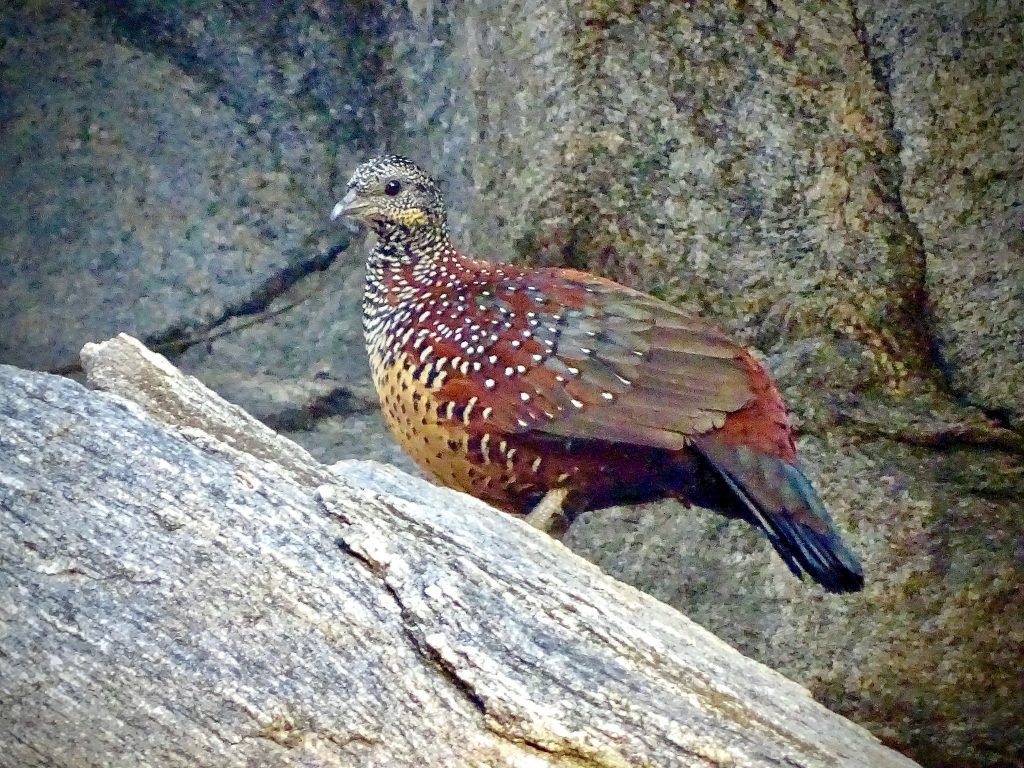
[345, 205]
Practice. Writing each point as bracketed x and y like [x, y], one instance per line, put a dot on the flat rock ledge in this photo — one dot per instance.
[180, 586]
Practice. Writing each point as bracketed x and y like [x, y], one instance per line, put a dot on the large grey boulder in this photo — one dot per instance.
[184, 587]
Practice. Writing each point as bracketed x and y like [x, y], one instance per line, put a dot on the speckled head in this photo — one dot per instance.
[390, 190]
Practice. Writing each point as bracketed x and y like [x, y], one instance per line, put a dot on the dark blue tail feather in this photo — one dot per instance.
[774, 495]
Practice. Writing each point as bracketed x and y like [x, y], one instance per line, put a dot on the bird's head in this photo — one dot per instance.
[390, 192]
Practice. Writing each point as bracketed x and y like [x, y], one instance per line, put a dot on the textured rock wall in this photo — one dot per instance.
[137, 195]
[837, 183]
[168, 171]
[953, 73]
[731, 158]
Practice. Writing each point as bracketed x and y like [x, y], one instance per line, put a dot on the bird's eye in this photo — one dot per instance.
[392, 188]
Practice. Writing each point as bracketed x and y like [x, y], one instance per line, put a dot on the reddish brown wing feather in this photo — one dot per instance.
[763, 425]
[582, 357]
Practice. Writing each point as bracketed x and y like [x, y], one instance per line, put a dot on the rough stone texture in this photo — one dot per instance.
[953, 73]
[719, 155]
[191, 589]
[937, 631]
[490, 102]
[168, 171]
[134, 197]
[796, 170]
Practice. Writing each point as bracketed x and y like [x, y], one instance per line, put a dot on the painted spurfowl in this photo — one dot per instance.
[517, 385]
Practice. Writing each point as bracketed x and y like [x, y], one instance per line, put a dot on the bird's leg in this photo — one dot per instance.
[547, 515]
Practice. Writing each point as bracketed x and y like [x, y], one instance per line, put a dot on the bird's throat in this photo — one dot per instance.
[405, 248]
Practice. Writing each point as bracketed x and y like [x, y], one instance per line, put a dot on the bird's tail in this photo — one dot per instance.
[775, 496]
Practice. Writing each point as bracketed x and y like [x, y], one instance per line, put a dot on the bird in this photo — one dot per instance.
[533, 387]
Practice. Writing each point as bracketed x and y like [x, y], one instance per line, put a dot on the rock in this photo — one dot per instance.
[934, 632]
[953, 73]
[136, 198]
[755, 176]
[192, 589]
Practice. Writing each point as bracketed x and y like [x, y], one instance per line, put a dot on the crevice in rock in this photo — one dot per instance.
[1000, 415]
[955, 436]
[256, 307]
[428, 654]
[449, 672]
[919, 311]
[501, 723]
[941, 437]
[176, 340]
[340, 401]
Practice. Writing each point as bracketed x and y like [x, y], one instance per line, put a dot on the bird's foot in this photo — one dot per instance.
[548, 516]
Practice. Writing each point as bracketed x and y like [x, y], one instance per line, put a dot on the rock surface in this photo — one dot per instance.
[953, 73]
[188, 588]
[839, 184]
[135, 196]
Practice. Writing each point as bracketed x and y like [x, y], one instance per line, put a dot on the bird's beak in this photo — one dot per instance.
[348, 206]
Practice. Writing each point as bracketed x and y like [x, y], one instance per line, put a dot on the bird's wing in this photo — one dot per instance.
[585, 358]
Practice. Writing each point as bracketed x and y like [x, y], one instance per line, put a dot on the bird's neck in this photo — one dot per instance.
[406, 269]
[405, 242]
[405, 261]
